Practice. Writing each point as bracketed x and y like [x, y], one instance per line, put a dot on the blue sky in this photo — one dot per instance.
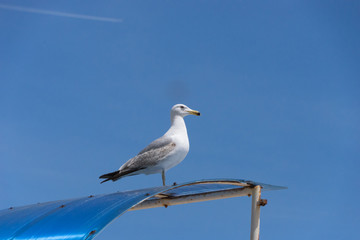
[277, 83]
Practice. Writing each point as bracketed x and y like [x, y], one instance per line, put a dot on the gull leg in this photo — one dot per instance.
[163, 177]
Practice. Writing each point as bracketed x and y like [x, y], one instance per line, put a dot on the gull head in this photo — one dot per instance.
[183, 110]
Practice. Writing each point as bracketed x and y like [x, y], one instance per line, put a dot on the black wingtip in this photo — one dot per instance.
[105, 181]
[109, 176]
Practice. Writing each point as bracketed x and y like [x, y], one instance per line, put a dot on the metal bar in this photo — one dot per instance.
[255, 213]
[200, 197]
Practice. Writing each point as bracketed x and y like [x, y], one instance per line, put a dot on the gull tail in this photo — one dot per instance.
[111, 176]
[114, 176]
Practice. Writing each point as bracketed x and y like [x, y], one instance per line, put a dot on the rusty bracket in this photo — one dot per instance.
[262, 202]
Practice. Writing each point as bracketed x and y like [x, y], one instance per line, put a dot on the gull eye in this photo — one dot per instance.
[182, 107]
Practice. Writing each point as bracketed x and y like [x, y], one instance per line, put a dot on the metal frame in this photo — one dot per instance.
[164, 200]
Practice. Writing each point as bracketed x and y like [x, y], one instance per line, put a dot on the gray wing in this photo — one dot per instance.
[149, 156]
[158, 143]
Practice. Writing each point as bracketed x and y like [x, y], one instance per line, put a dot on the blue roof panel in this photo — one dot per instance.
[83, 218]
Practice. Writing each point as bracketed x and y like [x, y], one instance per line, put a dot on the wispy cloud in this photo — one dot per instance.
[60, 14]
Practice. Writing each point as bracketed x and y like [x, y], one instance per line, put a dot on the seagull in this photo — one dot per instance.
[161, 154]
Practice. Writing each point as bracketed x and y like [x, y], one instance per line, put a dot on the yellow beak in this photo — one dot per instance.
[194, 112]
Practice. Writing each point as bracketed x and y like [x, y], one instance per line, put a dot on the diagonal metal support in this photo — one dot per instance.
[166, 201]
